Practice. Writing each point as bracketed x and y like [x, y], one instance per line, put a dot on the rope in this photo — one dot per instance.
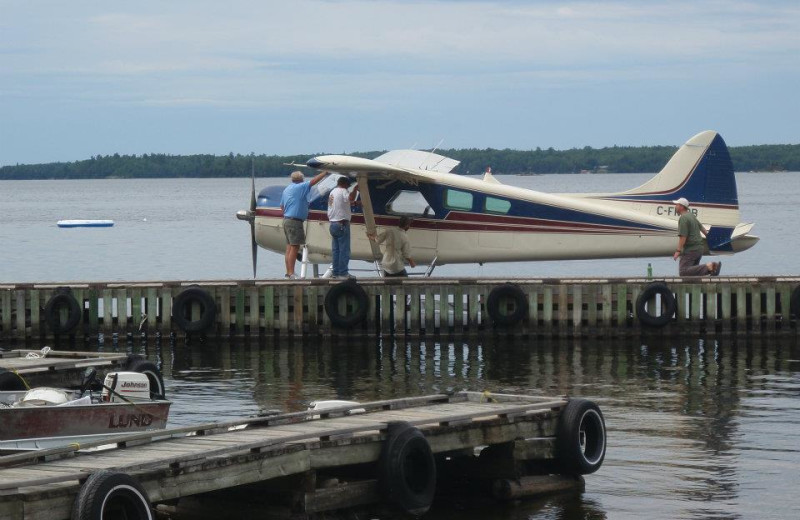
[24, 382]
[33, 355]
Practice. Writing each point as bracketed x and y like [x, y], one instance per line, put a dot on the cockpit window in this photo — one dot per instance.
[500, 206]
[456, 199]
[410, 203]
[270, 197]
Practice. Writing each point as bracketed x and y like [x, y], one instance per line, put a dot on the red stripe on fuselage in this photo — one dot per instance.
[460, 221]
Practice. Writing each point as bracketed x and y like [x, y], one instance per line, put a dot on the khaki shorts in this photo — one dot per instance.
[293, 229]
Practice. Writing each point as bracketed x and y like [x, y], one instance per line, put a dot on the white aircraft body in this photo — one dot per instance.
[458, 219]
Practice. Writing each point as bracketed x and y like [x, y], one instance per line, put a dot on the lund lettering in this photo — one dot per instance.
[130, 420]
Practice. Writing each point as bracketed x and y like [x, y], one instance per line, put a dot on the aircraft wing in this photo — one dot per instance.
[411, 166]
[419, 160]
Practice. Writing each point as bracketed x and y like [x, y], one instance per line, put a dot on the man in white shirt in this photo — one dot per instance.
[396, 249]
[339, 202]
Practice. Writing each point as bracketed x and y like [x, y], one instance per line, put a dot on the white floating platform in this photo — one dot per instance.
[85, 223]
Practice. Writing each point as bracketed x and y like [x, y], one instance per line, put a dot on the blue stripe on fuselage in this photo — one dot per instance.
[382, 194]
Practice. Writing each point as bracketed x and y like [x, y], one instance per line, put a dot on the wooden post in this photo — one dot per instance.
[313, 308]
[430, 312]
[269, 310]
[725, 295]
[36, 319]
[741, 309]
[577, 308]
[622, 307]
[414, 294]
[458, 309]
[770, 321]
[755, 304]
[547, 308]
[6, 311]
[20, 298]
[122, 310]
[297, 305]
[254, 313]
[387, 306]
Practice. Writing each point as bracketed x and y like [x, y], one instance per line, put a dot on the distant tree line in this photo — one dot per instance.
[615, 159]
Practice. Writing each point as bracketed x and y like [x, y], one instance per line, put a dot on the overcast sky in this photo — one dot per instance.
[82, 78]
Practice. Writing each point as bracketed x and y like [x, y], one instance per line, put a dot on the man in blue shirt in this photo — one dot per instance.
[294, 204]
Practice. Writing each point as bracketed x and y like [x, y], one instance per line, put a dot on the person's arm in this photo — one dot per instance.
[681, 243]
[353, 195]
[406, 251]
[318, 177]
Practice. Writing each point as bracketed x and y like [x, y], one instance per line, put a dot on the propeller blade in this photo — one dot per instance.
[253, 244]
[253, 189]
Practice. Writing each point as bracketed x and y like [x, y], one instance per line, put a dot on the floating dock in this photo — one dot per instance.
[409, 307]
[47, 367]
[84, 223]
[401, 453]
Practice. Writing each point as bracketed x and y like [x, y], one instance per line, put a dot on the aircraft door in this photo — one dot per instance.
[423, 234]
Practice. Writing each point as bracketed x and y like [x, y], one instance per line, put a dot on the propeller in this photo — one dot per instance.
[253, 245]
[250, 216]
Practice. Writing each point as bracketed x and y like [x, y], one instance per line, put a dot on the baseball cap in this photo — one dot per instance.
[682, 201]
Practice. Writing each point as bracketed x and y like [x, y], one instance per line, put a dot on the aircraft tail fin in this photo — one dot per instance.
[701, 171]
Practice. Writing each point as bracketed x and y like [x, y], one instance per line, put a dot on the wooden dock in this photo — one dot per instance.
[409, 307]
[57, 368]
[401, 453]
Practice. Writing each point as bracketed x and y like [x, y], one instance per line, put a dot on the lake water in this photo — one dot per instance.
[185, 229]
[697, 428]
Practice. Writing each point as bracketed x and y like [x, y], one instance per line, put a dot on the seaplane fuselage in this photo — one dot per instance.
[458, 219]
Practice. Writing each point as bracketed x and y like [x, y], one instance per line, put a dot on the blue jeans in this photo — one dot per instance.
[340, 247]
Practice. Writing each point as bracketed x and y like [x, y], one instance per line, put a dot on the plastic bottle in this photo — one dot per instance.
[649, 271]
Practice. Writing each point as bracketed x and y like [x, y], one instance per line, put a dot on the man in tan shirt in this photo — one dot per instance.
[396, 249]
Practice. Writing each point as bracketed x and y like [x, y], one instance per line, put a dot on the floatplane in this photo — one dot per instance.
[460, 219]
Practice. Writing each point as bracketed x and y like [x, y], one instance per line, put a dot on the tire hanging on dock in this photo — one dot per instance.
[501, 294]
[52, 311]
[148, 368]
[407, 469]
[668, 305]
[107, 494]
[11, 381]
[181, 307]
[580, 438]
[351, 289]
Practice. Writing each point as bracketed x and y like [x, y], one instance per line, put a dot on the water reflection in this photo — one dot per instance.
[697, 428]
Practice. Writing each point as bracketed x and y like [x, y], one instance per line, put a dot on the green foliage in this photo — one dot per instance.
[616, 159]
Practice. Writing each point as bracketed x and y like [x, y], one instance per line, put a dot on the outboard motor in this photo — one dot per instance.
[120, 387]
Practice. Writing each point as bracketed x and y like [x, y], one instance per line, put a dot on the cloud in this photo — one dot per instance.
[372, 57]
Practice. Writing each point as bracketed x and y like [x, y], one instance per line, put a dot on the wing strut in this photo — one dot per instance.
[369, 216]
